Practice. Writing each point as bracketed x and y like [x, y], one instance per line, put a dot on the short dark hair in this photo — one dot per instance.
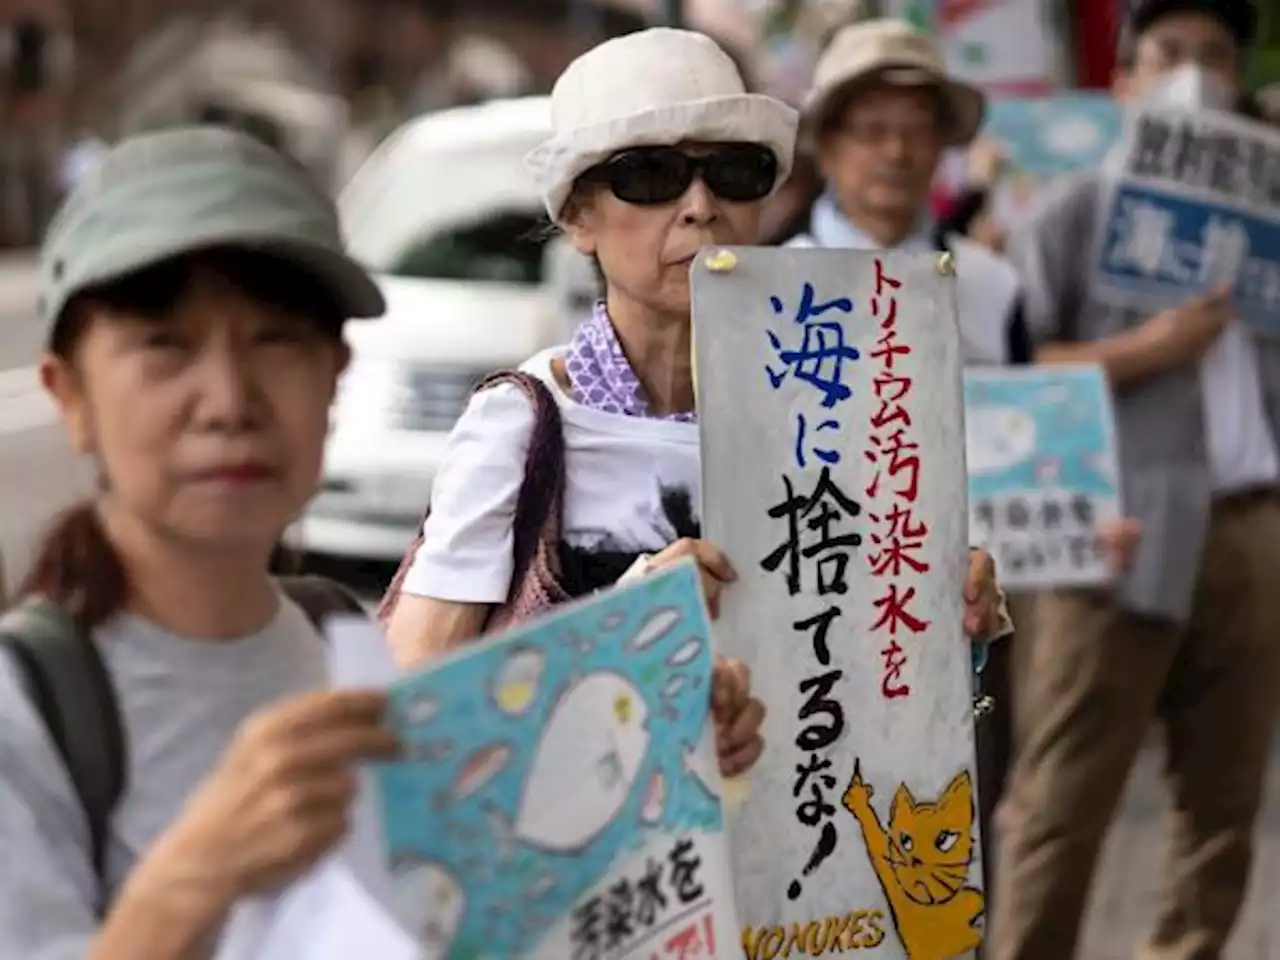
[1238, 17]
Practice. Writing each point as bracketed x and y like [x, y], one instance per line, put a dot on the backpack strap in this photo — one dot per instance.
[67, 683]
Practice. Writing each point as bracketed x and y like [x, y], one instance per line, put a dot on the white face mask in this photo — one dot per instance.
[1189, 87]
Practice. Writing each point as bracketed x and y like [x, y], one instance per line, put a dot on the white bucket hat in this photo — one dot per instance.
[895, 52]
[657, 87]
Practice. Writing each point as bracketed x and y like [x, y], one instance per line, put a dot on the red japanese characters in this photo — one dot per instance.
[897, 537]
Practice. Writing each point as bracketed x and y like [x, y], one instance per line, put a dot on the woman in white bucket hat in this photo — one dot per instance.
[657, 150]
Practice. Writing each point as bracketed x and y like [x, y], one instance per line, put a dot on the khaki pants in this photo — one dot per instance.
[1094, 680]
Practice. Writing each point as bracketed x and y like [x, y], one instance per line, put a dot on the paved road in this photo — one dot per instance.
[1125, 895]
[38, 475]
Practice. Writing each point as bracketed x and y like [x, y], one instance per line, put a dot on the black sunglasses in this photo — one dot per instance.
[647, 176]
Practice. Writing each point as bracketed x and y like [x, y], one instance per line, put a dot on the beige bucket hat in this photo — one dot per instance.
[657, 87]
[891, 51]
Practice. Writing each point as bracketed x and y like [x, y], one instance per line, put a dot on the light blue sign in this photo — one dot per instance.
[1043, 472]
[1044, 136]
[1196, 206]
[562, 795]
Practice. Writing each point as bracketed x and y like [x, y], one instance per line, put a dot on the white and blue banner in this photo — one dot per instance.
[1194, 204]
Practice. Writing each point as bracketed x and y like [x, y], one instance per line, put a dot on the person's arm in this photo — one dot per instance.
[1126, 357]
[463, 566]
[158, 921]
[1047, 252]
[48, 889]
[423, 628]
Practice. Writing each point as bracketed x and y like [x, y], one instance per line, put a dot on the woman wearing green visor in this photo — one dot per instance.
[195, 290]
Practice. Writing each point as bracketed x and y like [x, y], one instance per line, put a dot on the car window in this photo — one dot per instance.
[507, 247]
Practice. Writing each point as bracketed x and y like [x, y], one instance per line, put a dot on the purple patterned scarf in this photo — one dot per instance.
[600, 375]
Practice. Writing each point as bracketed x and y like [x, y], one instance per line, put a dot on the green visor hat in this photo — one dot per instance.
[162, 195]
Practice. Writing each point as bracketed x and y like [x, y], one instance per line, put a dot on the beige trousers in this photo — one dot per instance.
[1091, 681]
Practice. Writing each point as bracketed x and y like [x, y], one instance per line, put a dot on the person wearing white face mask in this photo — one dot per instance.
[1190, 635]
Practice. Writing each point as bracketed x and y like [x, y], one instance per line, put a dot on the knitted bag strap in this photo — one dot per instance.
[538, 515]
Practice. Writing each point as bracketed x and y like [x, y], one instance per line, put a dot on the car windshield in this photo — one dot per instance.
[506, 248]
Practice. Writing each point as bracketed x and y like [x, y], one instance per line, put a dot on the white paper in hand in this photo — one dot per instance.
[327, 916]
[342, 907]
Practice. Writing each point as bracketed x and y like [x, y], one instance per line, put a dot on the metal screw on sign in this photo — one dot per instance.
[983, 706]
[722, 261]
[946, 265]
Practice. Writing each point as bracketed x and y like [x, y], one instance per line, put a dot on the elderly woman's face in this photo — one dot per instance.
[645, 213]
[209, 422]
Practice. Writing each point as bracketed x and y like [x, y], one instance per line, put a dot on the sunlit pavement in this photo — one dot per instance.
[38, 475]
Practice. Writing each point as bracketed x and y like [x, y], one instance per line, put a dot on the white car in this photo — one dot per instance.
[446, 216]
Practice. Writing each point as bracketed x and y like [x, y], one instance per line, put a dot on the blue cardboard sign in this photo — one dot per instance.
[1195, 206]
[1043, 472]
[1045, 136]
[561, 796]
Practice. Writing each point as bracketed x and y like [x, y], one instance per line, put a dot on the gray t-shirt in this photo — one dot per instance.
[181, 701]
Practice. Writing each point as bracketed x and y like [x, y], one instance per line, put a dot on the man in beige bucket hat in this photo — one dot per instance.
[893, 53]
[880, 115]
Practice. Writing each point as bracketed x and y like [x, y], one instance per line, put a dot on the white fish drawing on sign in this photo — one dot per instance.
[656, 626]
[702, 762]
[687, 652]
[997, 438]
[515, 686]
[584, 766]
[430, 903]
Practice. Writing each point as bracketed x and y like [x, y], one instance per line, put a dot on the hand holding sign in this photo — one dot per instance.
[1181, 335]
[986, 163]
[1119, 537]
[981, 597]
[738, 717]
[713, 565]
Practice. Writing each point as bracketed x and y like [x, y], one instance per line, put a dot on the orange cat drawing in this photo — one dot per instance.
[922, 863]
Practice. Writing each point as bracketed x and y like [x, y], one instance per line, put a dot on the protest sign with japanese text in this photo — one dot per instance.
[560, 797]
[829, 403]
[1194, 204]
[1043, 471]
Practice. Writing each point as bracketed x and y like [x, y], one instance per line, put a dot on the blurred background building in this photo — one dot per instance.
[329, 79]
